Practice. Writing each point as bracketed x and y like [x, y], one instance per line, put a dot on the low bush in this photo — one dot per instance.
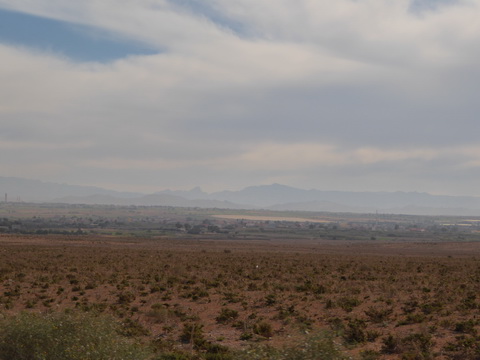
[263, 329]
[192, 333]
[378, 315]
[226, 315]
[319, 346]
[355, 331]
[348, 303]
[65, 336]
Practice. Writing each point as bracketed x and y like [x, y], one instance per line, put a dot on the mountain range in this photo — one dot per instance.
[272, 197]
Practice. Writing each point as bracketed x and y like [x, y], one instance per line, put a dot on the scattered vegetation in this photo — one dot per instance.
[213, 296]
[319, 346]
[65, 336]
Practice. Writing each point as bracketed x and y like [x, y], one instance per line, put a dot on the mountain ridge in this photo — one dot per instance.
[272, 197]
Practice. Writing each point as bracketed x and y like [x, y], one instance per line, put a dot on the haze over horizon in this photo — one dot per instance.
[150, 95]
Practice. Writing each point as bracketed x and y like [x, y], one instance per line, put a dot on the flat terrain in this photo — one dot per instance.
[271, 218]
[384, 299]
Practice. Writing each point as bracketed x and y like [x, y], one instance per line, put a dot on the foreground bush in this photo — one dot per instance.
[320, 346]
[64, 336]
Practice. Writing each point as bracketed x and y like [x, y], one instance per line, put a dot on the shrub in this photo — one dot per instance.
[159, 314]
[246, 336]
[319, 346]
[419, 343]
[270, 299]
[465, 348]
[192, 333]
[469, 302]
[227, 315]
[370, 355]
[64, 336]
[377, 315]
[263, 329]
[391, 345]
[415, 318]
[432, 307]
[355, 331]
[413, 346]
[467, 327]
[133, 328]
[348, 303]
[125, 297]
[174, 356]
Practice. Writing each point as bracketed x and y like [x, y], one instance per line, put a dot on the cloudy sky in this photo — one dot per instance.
[145, 95]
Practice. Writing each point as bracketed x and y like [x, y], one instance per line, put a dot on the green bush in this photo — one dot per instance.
[227, 315]
[319, 346]
[348, 303]
[264, 329]
[175, 356]
[370, 355]
[355, 331]
[64, 336]
[192, 333]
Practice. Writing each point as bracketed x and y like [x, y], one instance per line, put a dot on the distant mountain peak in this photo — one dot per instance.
[197, 190]
[271, 186]
[195, 193]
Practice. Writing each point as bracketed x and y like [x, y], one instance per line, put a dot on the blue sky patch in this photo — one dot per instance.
[429, 5]
[77, 42]
[203, 8]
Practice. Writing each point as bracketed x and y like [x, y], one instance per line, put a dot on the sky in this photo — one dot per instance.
[147, 95]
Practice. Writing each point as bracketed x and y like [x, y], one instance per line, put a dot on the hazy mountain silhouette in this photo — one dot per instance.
[274, 197]
[39, 191]
[148, 200]
[276, 194]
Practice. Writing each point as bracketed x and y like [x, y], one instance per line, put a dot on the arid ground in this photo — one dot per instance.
[382, 300]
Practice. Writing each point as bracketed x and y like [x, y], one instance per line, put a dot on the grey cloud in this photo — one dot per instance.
[219, 105]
